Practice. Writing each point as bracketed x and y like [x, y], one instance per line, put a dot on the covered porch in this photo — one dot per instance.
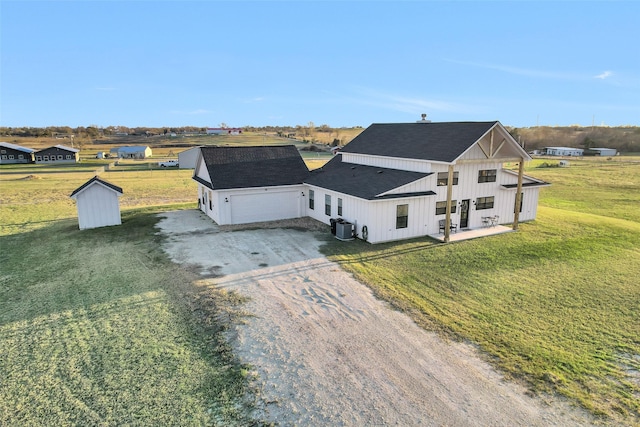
[472, 233]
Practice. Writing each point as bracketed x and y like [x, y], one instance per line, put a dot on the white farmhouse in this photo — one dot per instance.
[98, 203]
[392, 182]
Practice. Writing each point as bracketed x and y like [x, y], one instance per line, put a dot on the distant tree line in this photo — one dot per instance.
[622, 138]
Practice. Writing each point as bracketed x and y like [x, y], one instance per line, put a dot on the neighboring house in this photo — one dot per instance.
[600, 152]
[58, 154]
[563, 151]
[224, 131]
[98, 203]
[12, 153]
[187, 159]
[131, 152]
[239, 185]
[398, 181]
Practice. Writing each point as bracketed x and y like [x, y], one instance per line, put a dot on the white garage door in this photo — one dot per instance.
[264, 206]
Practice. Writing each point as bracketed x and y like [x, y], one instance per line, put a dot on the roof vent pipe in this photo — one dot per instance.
[424, 119]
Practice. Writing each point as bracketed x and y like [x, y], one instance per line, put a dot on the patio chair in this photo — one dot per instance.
[453, 227]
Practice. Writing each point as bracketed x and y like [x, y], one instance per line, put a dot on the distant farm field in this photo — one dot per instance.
[98, 326]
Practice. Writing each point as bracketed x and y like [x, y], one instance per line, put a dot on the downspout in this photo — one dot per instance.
[516, 208]
[447, 221]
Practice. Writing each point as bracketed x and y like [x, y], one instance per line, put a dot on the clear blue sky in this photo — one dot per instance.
[202, 63]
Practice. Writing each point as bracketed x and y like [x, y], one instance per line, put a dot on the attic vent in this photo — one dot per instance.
[424, 119]
[380, 171]
[353, 167]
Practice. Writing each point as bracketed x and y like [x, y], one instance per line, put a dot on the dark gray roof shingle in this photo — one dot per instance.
[365, 182]
[442, 142]
[96, 179]
[245, 167]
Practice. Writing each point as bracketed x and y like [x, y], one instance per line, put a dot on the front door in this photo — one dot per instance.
[464, 213]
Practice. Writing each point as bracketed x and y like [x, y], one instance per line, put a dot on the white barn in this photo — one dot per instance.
[131, 152]
[563, 151]
[224, 131]
[601, 152]
[98, 204]
[187, 159]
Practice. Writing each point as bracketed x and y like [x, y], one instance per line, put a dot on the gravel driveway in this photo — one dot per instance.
[328, 353]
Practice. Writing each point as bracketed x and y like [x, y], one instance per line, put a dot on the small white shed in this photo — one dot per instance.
[98, 203]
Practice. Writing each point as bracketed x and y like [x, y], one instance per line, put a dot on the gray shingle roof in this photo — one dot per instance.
[443, 142]
[244, 167]
[365, 182]
[96, 179]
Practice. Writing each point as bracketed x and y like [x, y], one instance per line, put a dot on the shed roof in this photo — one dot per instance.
[365, 182]
[95, 180]
[260, 166]
[444, 141]
[131, 148]
[17, 147]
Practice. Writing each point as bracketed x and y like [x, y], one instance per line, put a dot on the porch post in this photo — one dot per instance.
[516, 208]
[447, 221]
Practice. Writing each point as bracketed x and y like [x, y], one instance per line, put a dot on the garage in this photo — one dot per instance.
[265, 206]
[241, 185]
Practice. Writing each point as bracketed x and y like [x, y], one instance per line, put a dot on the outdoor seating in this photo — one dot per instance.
[490, 221]
[452, 227]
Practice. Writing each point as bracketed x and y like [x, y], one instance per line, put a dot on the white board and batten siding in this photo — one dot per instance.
[98, 206]
[413, 165]
[379, 216]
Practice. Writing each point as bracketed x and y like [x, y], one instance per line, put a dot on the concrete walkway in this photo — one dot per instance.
[468, 233]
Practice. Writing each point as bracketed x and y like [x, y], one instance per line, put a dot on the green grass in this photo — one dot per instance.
[98, 327]
[556, 305]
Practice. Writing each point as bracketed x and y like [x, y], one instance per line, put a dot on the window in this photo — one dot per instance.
[3, 151]
[443, 177]
[487, 175]
[60, 157]
[68, 156]
[39, 158]
[339, 206]
[45, 158]
[4, 157]
[11, 157]
[521, 201]
[210, 201]
[441, 207]
[311, 199]
[327, 204]
[20, 156]
[402, 216]
[484, 203]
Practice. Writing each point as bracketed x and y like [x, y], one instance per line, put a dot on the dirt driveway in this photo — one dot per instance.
[328, 353]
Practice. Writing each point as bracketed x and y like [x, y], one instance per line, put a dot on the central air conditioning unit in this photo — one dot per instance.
[344, 230]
